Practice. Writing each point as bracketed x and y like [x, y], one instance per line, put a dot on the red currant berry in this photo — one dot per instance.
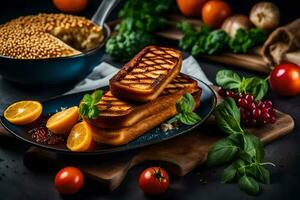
[251, 106]
[222, 92]
[272, 119]
[256, 113]
[265, 116]
[231, 94]
[242, 102]
[249, 98]
[268, 104]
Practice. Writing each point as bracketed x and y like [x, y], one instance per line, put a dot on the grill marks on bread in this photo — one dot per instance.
[114, 106]
[152, 67]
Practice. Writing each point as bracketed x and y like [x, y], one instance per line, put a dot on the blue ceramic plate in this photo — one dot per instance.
[207, 105]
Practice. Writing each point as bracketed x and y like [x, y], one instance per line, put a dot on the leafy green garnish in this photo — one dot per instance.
[185, 112]
[245, 40]
[139, 19]
[88, 107]
[203, 40]
[228, 79]
[243, 150]
[127, 44]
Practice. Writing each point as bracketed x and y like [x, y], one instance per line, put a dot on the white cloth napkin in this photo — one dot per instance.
[101, 74]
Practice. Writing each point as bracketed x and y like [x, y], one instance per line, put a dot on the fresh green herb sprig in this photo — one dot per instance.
[88, 107]
[185, 112]
[230, 80]
[243, 151]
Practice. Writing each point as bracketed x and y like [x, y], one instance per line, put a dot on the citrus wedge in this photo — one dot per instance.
[80, 137]
[23, 112]
[63, 121]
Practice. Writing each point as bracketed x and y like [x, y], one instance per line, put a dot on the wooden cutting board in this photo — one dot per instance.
[179, 155]
[251, 61]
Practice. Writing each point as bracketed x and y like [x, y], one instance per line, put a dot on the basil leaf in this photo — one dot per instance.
[228, 117]
[174, 119]
[222, 151]
[87, 99]
[254, 147]
[249, 185]
[189, 118]
[93, 112]
[237, 139]
[229, 174]
[257, 87]
[262, 174]
[97, 95]
[228, 79]
[83, 109]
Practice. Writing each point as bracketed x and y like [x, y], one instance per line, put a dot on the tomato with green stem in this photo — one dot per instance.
[154, 180]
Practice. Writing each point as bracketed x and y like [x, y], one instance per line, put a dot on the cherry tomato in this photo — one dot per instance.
[285, 79]
[69, 180]
[70, 6]
[191, 7]
[154, 180]
[214, 12]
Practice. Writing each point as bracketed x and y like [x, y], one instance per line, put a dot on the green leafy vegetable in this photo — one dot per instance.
[88, 107]
[139, 19]
[222, 152]
[249, 185]
[244, 150]
[228, 79]
[203, 40]
[185, 112]
[245, 40]
[127, 44]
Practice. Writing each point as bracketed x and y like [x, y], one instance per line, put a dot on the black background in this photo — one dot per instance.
[18, 182]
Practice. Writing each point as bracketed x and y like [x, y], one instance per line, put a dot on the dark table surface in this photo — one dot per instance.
[18, 182]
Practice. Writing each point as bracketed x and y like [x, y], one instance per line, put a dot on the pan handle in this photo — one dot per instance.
[103, 11]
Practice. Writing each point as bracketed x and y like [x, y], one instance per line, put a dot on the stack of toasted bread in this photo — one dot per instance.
[142, 95]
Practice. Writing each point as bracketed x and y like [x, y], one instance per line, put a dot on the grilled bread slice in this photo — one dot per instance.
[125, 135]
[144, 77]
[115, 113]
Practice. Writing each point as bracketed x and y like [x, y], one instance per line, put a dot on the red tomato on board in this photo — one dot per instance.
[154, 180]
[191, 7]
[285, 79]
[69, 180]
[70, 6]
[214, 12]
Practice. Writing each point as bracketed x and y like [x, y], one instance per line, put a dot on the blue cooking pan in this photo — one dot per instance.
[53, 71]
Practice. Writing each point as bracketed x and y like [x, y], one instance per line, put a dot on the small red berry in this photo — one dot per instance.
[256, 113]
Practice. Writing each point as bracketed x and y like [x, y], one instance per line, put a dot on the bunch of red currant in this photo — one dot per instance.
[253, 112]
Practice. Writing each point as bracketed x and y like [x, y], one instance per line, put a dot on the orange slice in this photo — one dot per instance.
[80, 137]
[63, 121]
[23, 112]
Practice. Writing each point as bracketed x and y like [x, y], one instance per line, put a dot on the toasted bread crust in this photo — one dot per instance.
[116, 114]
[144, 77]
[125, 135]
